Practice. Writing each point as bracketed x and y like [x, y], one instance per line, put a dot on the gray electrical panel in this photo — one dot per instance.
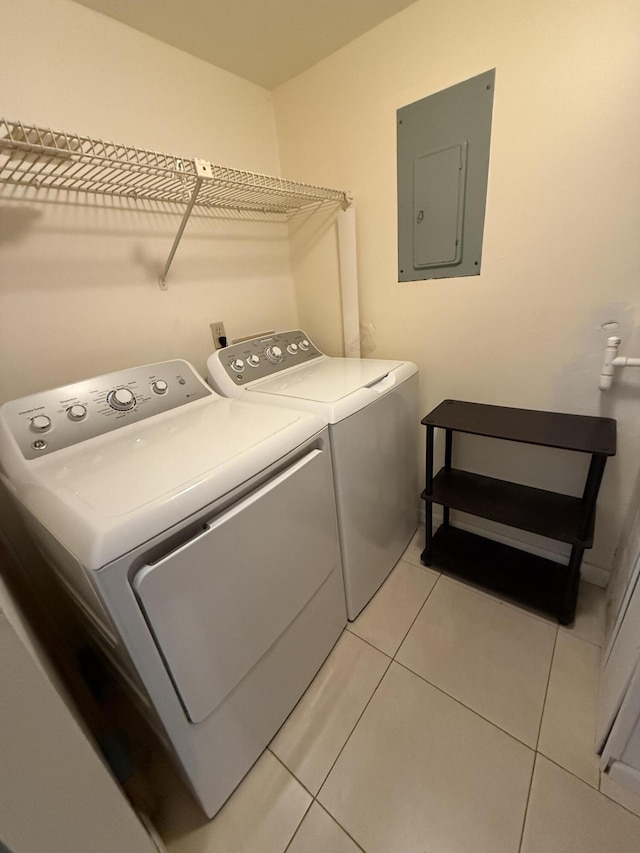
[443, 164]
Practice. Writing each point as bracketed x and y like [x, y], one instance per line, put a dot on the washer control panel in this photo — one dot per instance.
[260, 358]
[50, 420]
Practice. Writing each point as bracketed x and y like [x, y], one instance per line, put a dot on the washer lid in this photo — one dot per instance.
[326, 381]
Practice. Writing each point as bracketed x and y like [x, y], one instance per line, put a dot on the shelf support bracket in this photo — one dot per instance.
[203, 170]
[162, 279]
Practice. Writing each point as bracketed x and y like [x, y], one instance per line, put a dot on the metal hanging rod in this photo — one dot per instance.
[36, 160]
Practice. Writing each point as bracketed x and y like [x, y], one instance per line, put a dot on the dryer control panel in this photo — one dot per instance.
[50, 420]
[262, 357]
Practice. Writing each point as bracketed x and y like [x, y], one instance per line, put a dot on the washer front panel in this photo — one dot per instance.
[50, 420]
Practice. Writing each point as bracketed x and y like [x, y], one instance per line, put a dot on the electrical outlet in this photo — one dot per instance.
[219, 334]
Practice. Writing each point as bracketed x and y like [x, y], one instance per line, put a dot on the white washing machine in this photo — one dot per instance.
[371, 407]
[197, 537]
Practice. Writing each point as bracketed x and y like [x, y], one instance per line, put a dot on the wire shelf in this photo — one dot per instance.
[36, 161]
[39, 159]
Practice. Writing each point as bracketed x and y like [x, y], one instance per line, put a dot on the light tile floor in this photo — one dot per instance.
[444, 721]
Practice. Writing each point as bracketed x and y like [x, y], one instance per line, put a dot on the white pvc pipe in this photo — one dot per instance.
[606, 374]
[349, 282]
[613, 360]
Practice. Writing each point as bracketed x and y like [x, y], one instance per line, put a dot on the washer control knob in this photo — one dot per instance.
[254, 360]
[77, 412]
[304, 344]
[274, 354]
[238, 365]
[159, 386]
[292, 348]
[122, 399]
[41, 423]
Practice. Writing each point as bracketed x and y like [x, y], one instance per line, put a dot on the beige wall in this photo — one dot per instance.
[561, 236]
[78, 291]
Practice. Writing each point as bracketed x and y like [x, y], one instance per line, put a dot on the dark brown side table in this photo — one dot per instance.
[528, 578]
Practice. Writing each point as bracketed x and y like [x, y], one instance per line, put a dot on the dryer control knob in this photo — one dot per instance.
[254, 360]
[77, 412]
[238, 365]
[159, 386]
[274, 354]
[292, 348]
[122, 399]
[40, 423]
[304, 344]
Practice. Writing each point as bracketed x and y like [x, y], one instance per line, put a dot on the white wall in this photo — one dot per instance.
[562, 221]
[78, 284]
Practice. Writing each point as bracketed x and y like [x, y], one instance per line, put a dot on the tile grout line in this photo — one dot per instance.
[466, 707]
[391, 660]
[526, 807]
[355, 725]
[315, 797]
[538, 750]
[588, 786]
[413, 622]
[326, 811]
[290, 771]
[404, 636]
[570, 633]
[534, 750]
[518, 609]
[495, 725]
[546, 690]
[604, 794]
[368, 642]
[362, 712]
[301, 821]
[536, 753]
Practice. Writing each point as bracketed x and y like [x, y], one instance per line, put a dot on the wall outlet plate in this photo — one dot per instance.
[218, 333]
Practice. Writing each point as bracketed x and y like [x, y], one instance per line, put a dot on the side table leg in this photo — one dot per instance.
[428, 506]
[448, 452]
[568, 610]
[590, 494]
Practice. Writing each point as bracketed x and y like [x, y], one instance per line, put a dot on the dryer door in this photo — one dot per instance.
[217, 604]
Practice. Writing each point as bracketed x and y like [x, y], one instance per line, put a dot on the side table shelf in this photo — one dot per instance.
[533, 580]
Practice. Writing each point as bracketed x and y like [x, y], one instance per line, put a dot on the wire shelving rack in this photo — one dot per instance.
[36, 161]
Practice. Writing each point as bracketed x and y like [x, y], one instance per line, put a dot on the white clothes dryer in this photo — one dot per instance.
[197, 538]
[371, 407]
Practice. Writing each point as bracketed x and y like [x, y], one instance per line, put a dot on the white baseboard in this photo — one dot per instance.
[589, 572]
